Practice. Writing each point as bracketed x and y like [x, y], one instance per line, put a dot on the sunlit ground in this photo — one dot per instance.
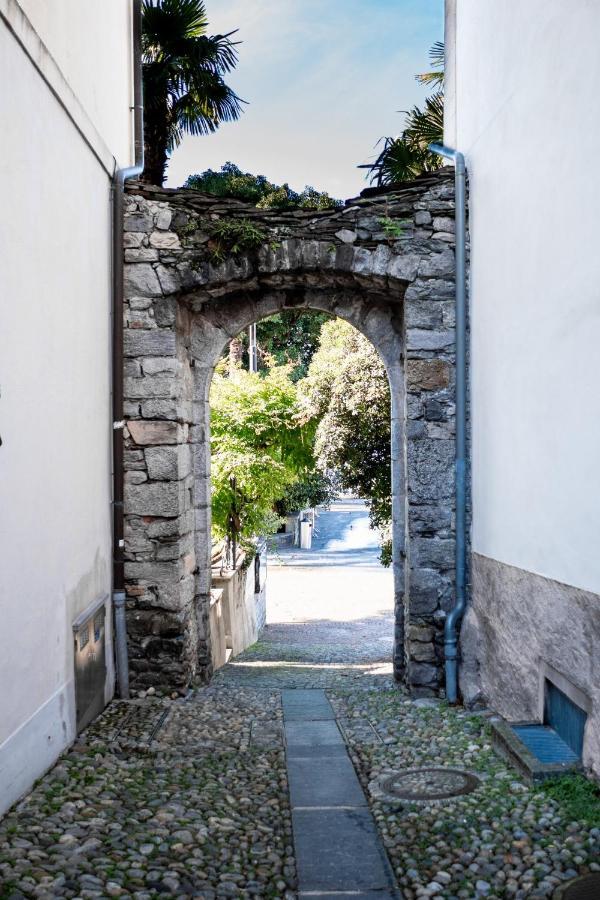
[339, 580]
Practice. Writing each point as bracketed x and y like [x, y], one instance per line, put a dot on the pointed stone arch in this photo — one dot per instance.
[183, 306]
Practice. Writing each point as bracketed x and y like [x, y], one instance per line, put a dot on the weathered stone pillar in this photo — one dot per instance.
[399, 519]
[159, 527]
[430, 430]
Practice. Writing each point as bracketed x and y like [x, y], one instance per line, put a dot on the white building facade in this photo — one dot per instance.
[66, 70]
[521, 95]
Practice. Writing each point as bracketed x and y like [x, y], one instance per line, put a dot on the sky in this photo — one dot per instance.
[324, 80]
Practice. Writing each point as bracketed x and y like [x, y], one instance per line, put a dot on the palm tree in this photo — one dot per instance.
[184, 68]
[400, 160]
[405, 157]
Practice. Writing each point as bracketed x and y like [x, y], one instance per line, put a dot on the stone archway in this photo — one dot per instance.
[385, 263]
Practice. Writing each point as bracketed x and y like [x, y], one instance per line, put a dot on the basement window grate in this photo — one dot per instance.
[545, 744]
[565, 717]
[98, 626]
[83, 637]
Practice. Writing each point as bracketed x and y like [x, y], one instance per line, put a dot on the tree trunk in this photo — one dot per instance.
[155, 167]
[156, 140]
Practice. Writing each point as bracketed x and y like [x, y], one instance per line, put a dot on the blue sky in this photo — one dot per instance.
[324, 80]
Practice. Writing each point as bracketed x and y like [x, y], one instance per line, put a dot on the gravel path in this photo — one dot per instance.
[189, 797]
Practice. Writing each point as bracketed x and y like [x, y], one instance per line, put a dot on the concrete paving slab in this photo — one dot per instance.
[339, 850]
[352, 895]
[306, 705]
[312, 734]
[324, 782]
[316, 751]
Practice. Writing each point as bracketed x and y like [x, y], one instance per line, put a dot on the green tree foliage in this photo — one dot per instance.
[403, 158]
[230, 181]
[184, 87]
[338, 339]
[315, 489]
[347, 389]
[291, 336]
[262, 435]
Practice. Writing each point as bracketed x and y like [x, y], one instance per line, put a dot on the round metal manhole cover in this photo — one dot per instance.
[424, 785]
[587, 887]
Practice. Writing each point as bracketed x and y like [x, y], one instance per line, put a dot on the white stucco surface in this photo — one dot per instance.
[522, 86]
[91, 44]
[55, 457]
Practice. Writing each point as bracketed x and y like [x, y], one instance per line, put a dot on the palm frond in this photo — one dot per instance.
[403, 158]
[437, 55]
[167, 20]
[431, 79]
[400, 160]
[201, 112]
[437, 60]
[426, 126]
[216, 53]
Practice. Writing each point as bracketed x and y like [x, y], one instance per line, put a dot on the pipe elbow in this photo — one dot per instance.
[448, 153]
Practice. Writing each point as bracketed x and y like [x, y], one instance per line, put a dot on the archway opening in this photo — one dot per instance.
[301, 474]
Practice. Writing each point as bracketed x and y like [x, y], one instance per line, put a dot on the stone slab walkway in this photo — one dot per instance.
[337, 846]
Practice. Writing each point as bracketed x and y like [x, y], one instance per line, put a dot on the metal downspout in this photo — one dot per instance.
[454, 617]
[119, 178]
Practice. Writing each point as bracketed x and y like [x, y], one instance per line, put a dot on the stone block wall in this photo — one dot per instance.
[187, 295]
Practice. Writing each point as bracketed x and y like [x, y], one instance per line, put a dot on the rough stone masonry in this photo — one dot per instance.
[200, 269]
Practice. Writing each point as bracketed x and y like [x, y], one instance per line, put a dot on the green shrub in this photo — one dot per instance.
[232, 237]
[578, 796]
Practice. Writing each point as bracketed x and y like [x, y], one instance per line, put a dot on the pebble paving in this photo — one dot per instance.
[190, 797]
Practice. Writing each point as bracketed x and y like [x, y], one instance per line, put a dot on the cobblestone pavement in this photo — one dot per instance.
[189, 797]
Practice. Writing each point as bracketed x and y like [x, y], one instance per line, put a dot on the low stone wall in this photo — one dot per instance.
[217, 629]
[519, 629]
[260, 589]
[243, 607]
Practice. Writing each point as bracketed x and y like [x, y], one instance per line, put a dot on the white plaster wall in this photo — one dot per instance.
[91, 44]
[55, 457]
[522, 87]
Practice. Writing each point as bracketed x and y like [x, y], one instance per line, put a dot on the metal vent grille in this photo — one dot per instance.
[565, 717]
[545, 744]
